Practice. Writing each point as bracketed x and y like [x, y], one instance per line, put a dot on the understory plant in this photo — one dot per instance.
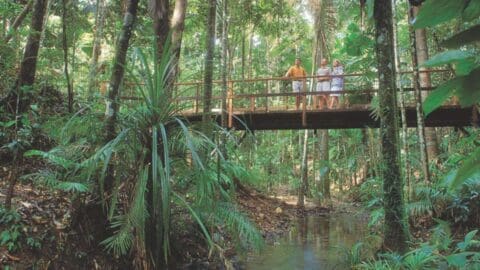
[159, 166]
[440, 252]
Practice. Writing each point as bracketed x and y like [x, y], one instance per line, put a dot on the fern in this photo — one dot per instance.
[237, 224]
[122, 239]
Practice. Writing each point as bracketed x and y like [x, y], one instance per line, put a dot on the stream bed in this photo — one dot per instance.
[314, 242]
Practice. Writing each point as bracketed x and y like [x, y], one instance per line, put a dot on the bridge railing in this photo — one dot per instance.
[274, 94]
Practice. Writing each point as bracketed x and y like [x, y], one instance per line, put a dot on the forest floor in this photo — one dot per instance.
[42, 237]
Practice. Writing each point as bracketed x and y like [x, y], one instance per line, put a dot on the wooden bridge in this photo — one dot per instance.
[269, 104]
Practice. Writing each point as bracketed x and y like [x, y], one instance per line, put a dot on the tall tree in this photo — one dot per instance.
[97, 46]
[18, 100]
[304, 182]
[118, 70]
[224, 64]
[324, 25]
[421, 47]
[418, 100]
[178, 25]
[65, 56]
[208, 76]
[159, 11]
[395, 229]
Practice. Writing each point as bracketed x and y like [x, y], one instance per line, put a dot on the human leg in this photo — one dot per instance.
[297, 87]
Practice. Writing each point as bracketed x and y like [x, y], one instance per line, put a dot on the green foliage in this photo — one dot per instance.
[438, 253]
[468, 171]
[12, 234]
[434, 12]
[465, 86]
[463, 38]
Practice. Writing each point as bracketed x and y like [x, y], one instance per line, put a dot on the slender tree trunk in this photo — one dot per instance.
[178, 25]
[18, 21]
[324, 168]
[18, 100]
[116, 79]
[243, 53]
[403, 114]
[304, 182]
[210, 46]
[159, 10]
[224, 64]
[418, 101]
[97, 47]
[421, 46]
[395, 229]
[65, 56]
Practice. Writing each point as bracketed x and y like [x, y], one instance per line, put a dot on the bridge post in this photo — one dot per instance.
[266, 96]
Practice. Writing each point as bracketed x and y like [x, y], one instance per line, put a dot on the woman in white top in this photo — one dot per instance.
[323, 82]
[337, 83]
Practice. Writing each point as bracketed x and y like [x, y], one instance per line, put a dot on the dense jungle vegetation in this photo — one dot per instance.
[123, 144]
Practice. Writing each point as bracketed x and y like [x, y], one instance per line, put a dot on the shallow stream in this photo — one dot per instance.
[315, 242]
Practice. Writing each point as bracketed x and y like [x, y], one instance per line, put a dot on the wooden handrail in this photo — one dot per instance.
[301, 78]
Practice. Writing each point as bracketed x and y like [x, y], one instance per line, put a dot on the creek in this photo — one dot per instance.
[314, 242]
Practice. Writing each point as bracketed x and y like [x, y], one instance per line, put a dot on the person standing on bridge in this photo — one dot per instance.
[323, 82]
[337, 83]
[298, 75]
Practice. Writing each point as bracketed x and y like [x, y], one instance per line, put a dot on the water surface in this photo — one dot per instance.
[315, 242]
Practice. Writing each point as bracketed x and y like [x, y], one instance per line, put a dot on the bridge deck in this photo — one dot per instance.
[341, 118]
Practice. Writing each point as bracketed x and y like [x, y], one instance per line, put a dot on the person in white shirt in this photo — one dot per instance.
[337, 83]
[323, 83]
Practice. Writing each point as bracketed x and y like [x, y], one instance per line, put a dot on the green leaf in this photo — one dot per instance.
[468, 170]
[449, 57]
[457, 260]
[7, 124]
[463, 38]
[72, 186]
[468, 239]
[472, 11]
[464, 67]
[469, 93]
[434, 12]
[439, 95]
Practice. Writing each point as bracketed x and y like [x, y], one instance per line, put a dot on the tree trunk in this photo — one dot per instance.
[208, 77]
[323, 138]
[395, 228]
[159, 11]
[224, 75]
[18, 21]
[65, 56]
[19, 98]
[304, 182]
[418, 101]
[403, 114]
[97, 47]
[421, 46]
[116, 79]
[178, 25]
